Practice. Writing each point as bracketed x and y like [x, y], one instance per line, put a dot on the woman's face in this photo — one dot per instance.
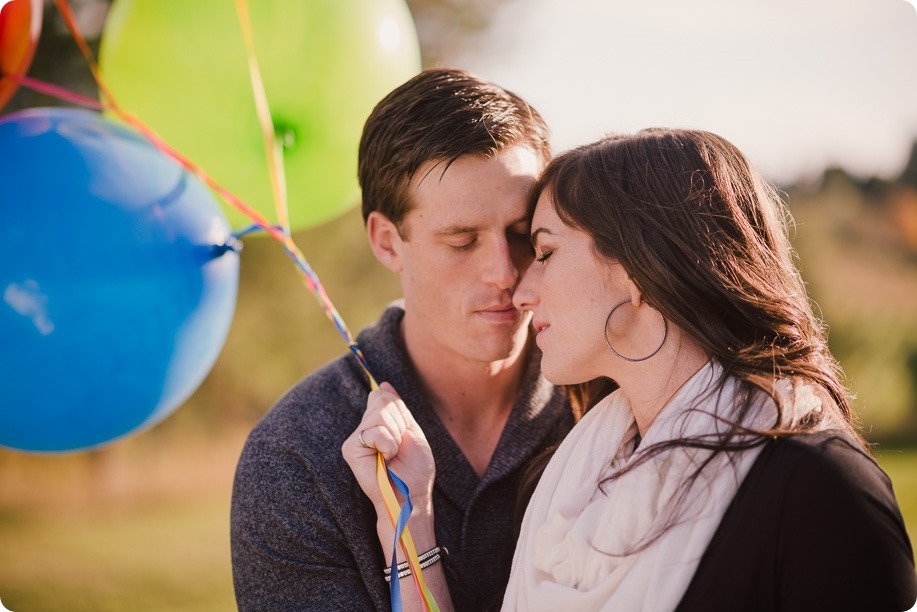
[570, 289]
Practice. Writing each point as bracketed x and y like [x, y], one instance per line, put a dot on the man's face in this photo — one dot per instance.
[465, 247]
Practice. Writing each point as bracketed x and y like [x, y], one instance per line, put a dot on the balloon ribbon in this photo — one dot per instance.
[387, 479]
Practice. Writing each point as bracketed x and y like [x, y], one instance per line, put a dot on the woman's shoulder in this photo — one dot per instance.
[827, 472]
[838, 519]
[814, 526]
[831, 466]
[828, 453]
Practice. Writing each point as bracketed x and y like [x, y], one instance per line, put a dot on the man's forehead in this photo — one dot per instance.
[435, 170]
[472, 193]
[519, 161]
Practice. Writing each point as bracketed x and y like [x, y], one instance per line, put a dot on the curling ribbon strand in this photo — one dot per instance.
[56, 91]
[407, 542]
[272, 146]
[385, 477]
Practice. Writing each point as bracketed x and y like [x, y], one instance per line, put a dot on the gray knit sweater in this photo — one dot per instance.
[304, 534]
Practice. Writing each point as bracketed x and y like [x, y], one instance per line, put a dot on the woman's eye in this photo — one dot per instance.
[544, 256]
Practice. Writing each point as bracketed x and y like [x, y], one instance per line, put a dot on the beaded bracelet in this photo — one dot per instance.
[426, 560]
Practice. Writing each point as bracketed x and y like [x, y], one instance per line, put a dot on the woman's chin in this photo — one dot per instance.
[556, 374]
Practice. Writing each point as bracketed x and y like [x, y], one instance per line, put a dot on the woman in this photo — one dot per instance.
[725, 472]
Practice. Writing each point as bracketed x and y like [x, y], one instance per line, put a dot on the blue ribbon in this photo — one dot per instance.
[403, 517]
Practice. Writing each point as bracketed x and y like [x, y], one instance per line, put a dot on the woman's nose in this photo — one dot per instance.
[525, 298]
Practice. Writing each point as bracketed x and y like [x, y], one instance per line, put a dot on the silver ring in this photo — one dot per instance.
[362, 441]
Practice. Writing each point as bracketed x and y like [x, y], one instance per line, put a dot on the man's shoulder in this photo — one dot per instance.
[299, 520]
[321, 409]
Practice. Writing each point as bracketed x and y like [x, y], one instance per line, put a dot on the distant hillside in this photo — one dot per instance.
[857, 242]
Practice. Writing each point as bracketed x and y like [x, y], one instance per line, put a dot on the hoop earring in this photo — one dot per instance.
[665, 334]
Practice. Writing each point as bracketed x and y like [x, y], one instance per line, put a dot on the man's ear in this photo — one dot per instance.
[385, 241]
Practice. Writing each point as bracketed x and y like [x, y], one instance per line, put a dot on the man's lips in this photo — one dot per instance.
[501, 313]
[499, 308]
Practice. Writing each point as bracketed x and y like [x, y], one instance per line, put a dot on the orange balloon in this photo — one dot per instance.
[20, 23]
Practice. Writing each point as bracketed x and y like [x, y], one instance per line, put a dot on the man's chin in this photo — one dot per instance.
[509, 348]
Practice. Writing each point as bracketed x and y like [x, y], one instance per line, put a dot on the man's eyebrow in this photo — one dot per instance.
[458, 229]
[472, 229]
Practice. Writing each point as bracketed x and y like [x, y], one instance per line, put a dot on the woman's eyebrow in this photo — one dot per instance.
[540, 230]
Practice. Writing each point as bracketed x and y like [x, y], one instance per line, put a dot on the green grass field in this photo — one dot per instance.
[171, 553]
[166, 556]
[901, 466]
[140, 526]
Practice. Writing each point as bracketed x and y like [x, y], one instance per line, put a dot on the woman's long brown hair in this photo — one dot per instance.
[704, 238]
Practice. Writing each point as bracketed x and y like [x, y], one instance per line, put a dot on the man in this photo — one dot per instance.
[445, 165]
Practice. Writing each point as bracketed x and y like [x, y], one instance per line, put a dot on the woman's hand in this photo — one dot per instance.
[389, 427]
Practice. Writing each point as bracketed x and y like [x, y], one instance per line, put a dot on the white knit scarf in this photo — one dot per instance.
[569, 552]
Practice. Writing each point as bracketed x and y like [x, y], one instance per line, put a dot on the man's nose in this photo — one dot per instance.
[500, 269]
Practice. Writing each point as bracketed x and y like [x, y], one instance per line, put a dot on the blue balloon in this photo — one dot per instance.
[117, 289]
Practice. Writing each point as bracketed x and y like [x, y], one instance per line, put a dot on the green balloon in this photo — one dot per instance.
[181, 68]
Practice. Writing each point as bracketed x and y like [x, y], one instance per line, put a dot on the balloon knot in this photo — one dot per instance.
[232, 244]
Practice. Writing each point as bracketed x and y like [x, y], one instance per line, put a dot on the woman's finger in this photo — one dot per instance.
[393, 409]
[410, 423]
[380, 439]
[403, 411]
[394, 426]
[376, 401]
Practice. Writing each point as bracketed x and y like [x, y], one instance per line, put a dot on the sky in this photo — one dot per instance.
[798, 85]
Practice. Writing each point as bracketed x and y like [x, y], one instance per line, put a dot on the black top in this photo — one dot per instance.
[303, 534]
[814, 526]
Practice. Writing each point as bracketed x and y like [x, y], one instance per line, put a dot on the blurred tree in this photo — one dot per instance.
[446, 27]
[57, 58]
[909, 174]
